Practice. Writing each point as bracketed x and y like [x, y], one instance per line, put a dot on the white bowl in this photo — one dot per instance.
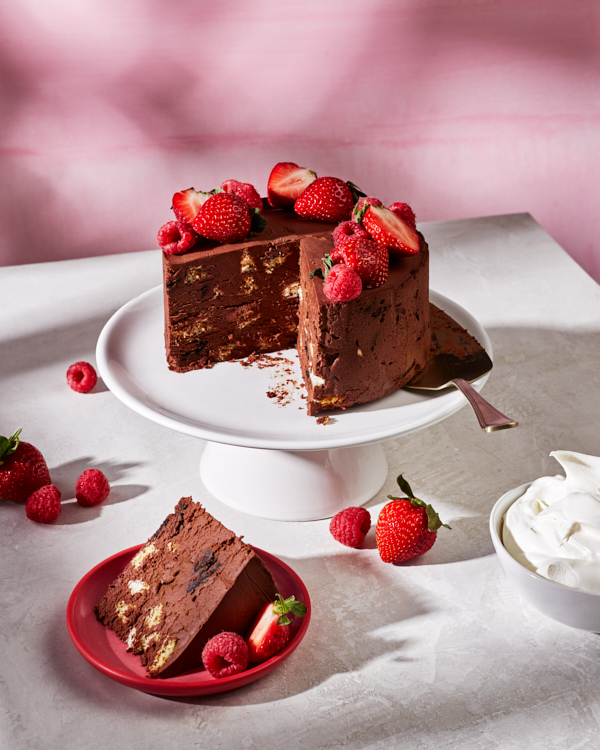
[578, 609]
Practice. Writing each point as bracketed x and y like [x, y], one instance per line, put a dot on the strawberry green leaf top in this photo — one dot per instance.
[9, 445]
[433, 520]
[282, 606]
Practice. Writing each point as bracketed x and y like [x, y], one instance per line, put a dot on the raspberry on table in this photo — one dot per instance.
[82, 377]
[225, 654]
[43, 505]
[92, 488]
[350, 526]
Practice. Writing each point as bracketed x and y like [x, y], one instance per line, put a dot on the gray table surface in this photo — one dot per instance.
[438, 653]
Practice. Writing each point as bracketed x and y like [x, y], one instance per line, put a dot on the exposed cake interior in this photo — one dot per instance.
[193, 579]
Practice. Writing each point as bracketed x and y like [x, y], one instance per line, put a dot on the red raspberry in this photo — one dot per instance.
[245, 191]
[225, 654]
[82, 377]
[348, 229]
[350, 526]
[92, 488]
[176, 237]
[342, 284]
[43, 505]
[405, 212]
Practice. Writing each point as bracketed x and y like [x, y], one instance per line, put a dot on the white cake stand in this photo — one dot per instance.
[266, 456]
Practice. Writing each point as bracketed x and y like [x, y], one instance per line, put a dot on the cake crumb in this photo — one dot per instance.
[323, 420]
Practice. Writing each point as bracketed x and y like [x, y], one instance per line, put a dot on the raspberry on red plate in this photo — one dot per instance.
[342, 284]
[82, 377]
[350, 526]
[176, 237]
[43, 506]
[92, 488]
[225, 654]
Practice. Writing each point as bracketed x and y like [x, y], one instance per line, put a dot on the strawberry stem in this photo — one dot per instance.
[433, 520]
[9, 445]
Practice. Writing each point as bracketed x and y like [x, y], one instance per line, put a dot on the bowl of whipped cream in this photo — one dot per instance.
[546, 534]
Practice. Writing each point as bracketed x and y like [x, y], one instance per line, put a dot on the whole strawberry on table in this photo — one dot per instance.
[23, 469]
[407, 527]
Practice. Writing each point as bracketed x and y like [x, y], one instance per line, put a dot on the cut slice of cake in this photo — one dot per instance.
[193, 579]
[358, 351]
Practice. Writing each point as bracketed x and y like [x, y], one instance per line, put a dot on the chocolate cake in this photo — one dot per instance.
[192, 579]
[358, 351]
[225, 302]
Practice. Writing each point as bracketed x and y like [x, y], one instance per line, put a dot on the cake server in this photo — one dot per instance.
[445, 369]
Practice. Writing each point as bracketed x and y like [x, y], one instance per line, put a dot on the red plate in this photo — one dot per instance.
[108, 654]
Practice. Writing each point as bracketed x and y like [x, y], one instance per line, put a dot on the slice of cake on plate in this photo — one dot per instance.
[193, 579]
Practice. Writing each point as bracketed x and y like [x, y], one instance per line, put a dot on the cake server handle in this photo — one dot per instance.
[490, 419]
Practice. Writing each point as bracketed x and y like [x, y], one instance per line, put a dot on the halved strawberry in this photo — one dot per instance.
[389, 229]
[186, 204]
[287, 182]
[368, 258]
[270, 631]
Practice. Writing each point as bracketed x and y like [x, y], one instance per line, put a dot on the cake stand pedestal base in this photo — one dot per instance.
[293, 485]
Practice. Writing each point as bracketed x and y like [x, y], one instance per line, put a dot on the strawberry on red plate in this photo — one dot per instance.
[407, 527]
[365, 256]
[224, 217]
[326, 199]
[23, 469]
[287, 182]
[270, 631]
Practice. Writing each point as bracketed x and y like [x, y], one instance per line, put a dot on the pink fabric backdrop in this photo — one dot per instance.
[461, 108]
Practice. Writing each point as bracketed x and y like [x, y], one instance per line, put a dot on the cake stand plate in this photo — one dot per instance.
[264, 455]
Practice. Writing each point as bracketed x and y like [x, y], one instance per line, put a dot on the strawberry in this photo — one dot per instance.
[359, 209]
[326, 199]
[23, 469]
[405, 212]
[389, 229]
[370, 260]
[406, 527]
[270, 631]
[246, 191]
[287, 182]
[186, 204]
[224, 217]
[347, 229]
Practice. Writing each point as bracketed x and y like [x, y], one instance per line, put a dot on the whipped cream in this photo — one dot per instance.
[553, 529]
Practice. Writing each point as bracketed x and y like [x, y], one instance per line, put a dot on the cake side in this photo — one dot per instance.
[192, 579]
[224, 302]
[358, 351]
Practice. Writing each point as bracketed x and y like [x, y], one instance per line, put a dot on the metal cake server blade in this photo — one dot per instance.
[445, 369]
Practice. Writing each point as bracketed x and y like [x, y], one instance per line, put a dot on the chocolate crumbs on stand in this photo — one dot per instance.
[283, 392]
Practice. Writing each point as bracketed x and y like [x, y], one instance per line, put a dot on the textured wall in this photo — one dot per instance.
[462, 108]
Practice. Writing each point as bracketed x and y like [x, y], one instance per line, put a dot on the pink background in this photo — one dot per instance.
[460, 107]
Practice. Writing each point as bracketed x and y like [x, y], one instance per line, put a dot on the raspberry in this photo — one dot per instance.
[405, 212]
[348, 229]
[245, 191]
[176, 237]
[342, 284]
[350, 526]
[92, 488]
[43, 505]
[225, 654]
[82, 377]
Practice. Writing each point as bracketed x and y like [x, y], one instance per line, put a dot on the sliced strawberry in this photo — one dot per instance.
[361, 206]
[325, 199]
[270, 631]
[405, 212]
[368, 258]
[186, 204]
[387, 228]
[224, 217]
[287, 182]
